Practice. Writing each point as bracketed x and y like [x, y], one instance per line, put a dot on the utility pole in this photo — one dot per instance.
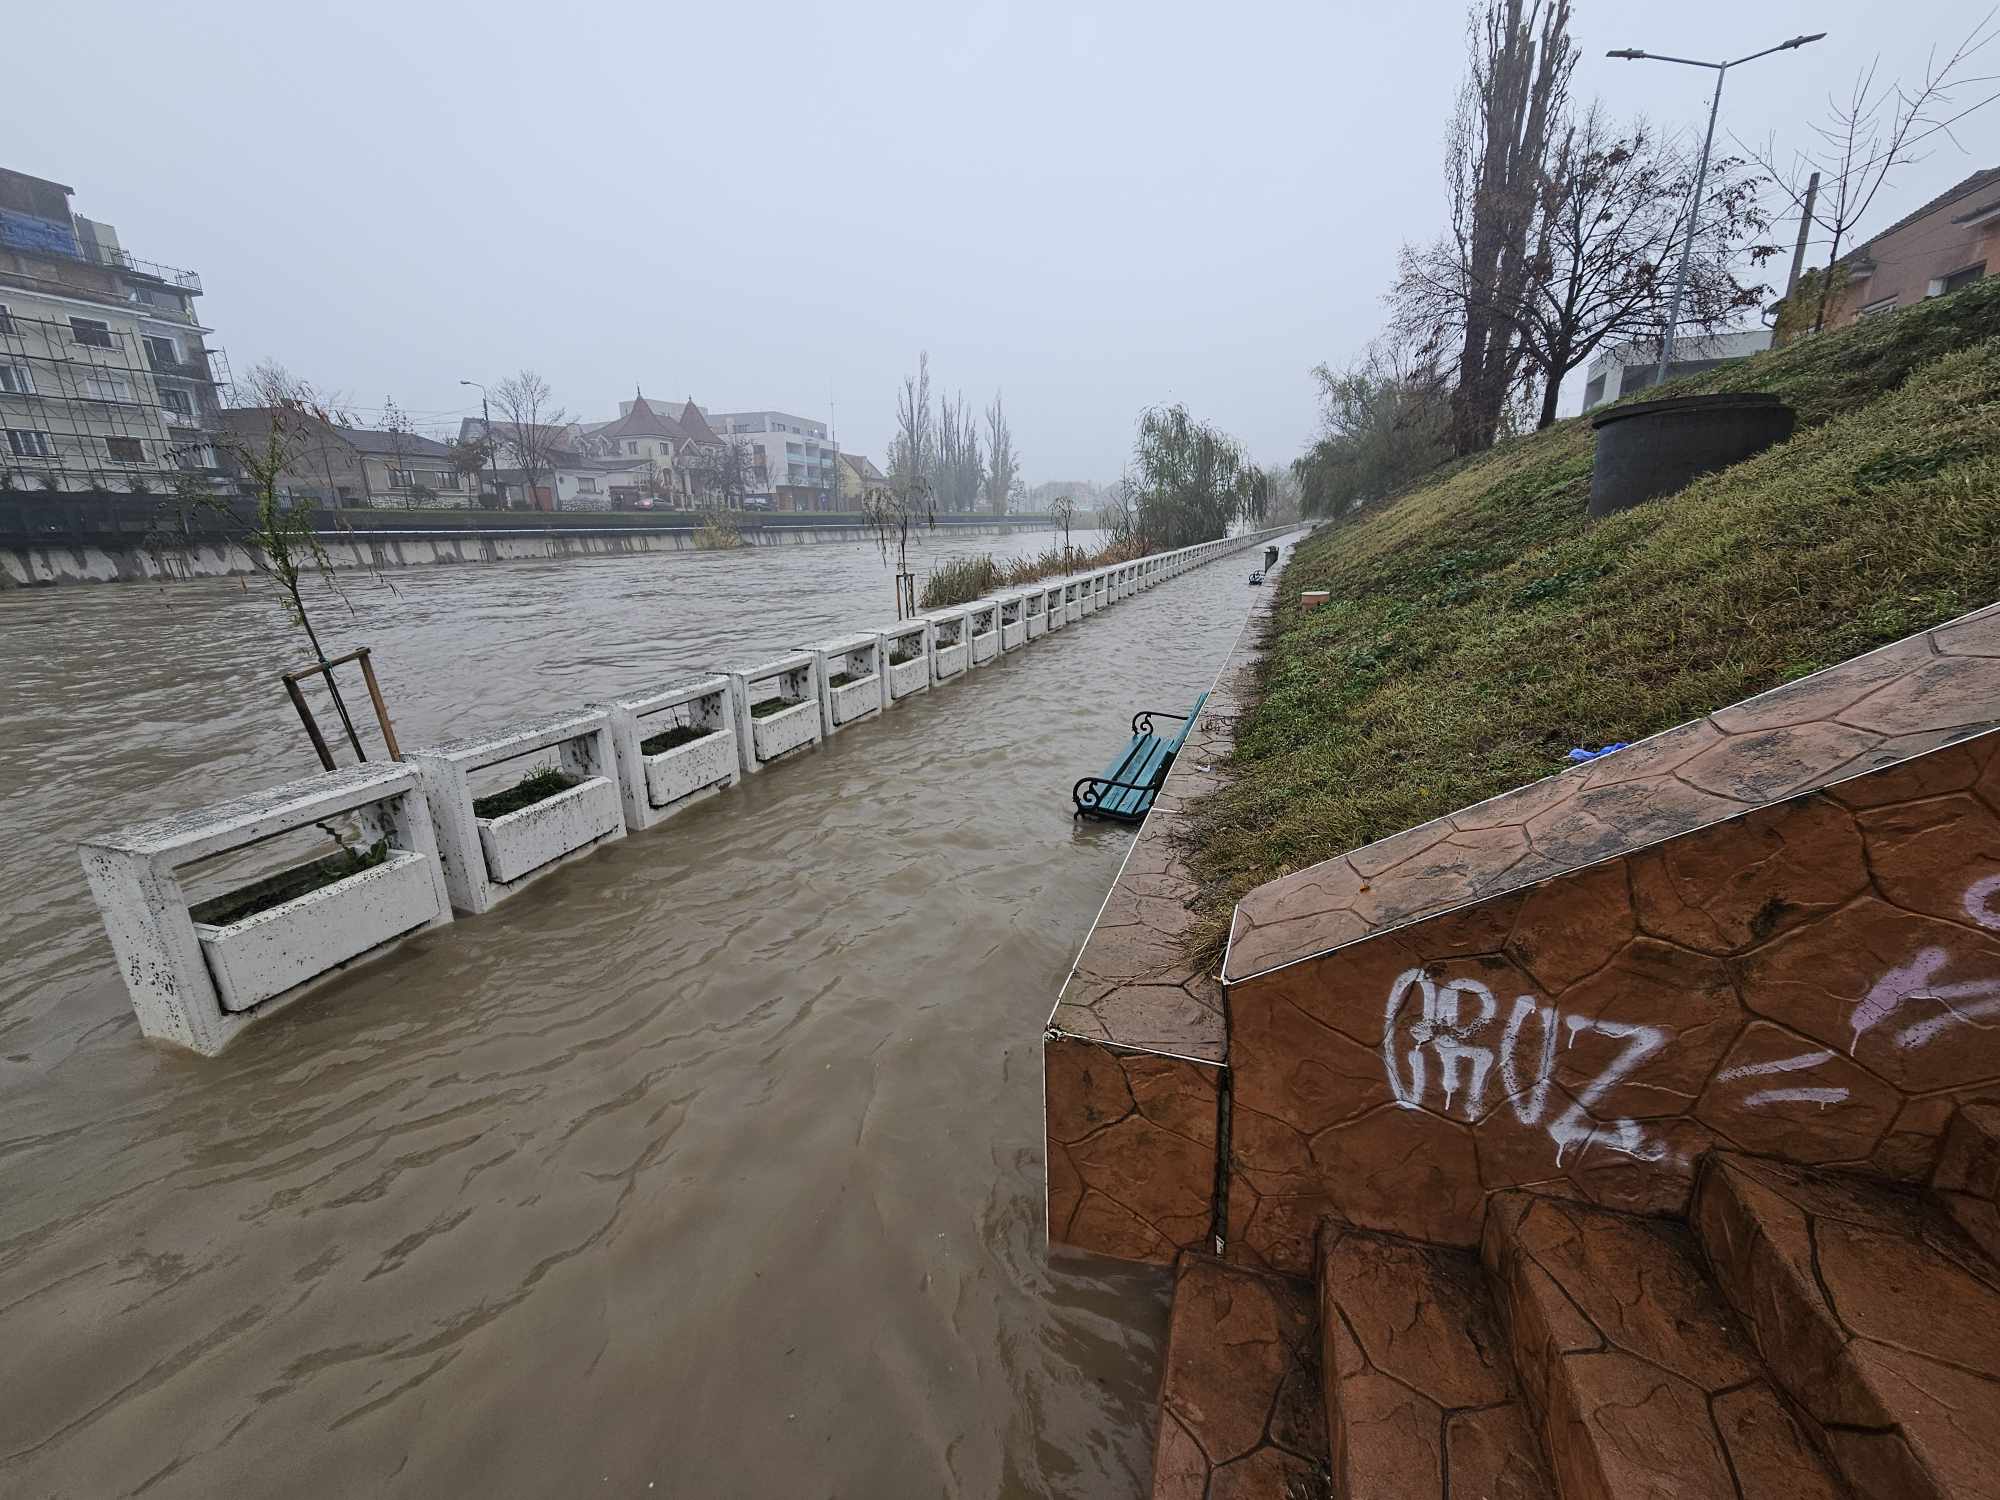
[492, 448]
[1805, 227]
[1633, 54]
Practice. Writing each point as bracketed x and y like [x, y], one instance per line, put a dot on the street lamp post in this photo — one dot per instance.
[1633, 54]
[492, 454]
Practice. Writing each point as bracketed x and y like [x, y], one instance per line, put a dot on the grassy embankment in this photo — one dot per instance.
[1480, 625]
[972, 578]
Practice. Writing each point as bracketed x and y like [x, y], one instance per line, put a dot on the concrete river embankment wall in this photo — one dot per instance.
[134, 550]
[440, 850]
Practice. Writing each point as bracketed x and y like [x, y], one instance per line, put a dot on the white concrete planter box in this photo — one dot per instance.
[1013, 621]
[488, 859]
[520, 842]
[912, 676]
[949, 652]
[866, 693]
[1086, 597]
[674, 777]
[1036, 614]
[198, 984]
[269, 952]
[982, 627]
[1065, 604]
[656, 786]
[781, 733]
[792, 679]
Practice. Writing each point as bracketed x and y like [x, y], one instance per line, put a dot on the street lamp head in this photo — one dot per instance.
[1630, 54]
[1800, 41]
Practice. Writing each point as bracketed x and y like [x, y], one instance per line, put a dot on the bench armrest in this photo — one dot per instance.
[1142, 721]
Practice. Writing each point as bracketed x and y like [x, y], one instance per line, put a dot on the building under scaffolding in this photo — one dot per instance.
[106, 379]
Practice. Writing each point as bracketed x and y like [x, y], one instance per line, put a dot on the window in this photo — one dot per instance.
[89, 331]
[1877, 308]
[27, 443]
[125, 450]
[161, 351]
[177, 402]
[16, 380]
[633, 449]
[6, 323]
[1944, 286]
[106, 388]
[586, 486]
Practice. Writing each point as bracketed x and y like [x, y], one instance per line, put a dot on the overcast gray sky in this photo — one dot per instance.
[1090, 207]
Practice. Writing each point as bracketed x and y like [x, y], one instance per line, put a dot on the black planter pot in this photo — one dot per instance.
[1656, 447]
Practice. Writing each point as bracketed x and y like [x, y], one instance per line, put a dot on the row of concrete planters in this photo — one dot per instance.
[265, 954]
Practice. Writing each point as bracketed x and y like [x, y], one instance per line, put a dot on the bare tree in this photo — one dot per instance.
[1610, 220]
[469, 457]
[279, 529]
[960, 467]
[402, 442]
[913, 450]
[723, 472]
[1497, 147]
[1062, 511]
[1867, 136]
[1003, 464]
[531, 426]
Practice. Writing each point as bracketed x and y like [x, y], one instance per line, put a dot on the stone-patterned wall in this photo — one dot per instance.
[1133, 1058]
[1818, 980]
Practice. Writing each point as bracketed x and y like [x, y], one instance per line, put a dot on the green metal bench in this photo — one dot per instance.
[1126, 789]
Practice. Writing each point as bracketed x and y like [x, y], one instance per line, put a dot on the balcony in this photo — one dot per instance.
[186, 281]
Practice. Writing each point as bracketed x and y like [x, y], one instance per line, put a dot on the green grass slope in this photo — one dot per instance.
[1480, 625]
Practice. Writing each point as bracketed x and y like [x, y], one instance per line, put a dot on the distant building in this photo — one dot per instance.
[660, 455]
[794, 453]
[858, 475]
[1632, 367]
[107, 381]
[358, 466]
[1948, 243]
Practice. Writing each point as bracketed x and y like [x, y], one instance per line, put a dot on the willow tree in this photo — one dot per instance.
[1188, 481]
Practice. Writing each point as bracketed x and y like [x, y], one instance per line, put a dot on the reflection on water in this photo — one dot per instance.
[713, 1161]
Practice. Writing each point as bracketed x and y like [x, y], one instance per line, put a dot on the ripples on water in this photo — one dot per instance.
[712, 1161]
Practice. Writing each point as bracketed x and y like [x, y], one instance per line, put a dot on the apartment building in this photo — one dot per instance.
[795, 455]
[107, 380]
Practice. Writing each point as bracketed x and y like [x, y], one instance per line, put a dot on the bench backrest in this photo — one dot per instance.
[1188, 723]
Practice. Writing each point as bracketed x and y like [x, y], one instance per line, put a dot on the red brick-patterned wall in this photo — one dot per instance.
[1817, 980]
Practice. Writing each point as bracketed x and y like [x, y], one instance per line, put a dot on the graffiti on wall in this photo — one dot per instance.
[1446, 1045]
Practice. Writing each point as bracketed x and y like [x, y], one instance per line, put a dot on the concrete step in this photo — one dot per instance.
[1873, 1311]
[1240, 1413]
[1642, 1385]
[1421, 1400]
[1967, 1177]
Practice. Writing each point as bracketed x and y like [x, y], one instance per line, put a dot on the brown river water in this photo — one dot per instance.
[708, 1166]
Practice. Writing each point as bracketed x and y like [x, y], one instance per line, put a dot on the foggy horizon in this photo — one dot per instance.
[1088, 212]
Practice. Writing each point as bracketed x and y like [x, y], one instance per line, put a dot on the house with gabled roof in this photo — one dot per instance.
[1948, 243]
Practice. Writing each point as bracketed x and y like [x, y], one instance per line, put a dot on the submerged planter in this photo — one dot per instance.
[1013, 620]
[949, 651]
[657, 784]
[912, 639]
[197, 984]
[863, 693]
[982, 626]
[1654, 448]
[487, 859]
[777, 707]
[263, 955]
[1036, 613]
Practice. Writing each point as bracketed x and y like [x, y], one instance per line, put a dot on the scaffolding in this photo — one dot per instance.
[90, 406]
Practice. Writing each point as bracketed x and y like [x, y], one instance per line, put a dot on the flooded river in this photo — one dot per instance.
[709, 1166]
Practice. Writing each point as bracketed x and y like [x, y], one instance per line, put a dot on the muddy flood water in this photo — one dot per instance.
[709, 1166]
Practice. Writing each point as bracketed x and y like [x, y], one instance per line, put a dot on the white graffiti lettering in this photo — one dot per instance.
[1451, 1024]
